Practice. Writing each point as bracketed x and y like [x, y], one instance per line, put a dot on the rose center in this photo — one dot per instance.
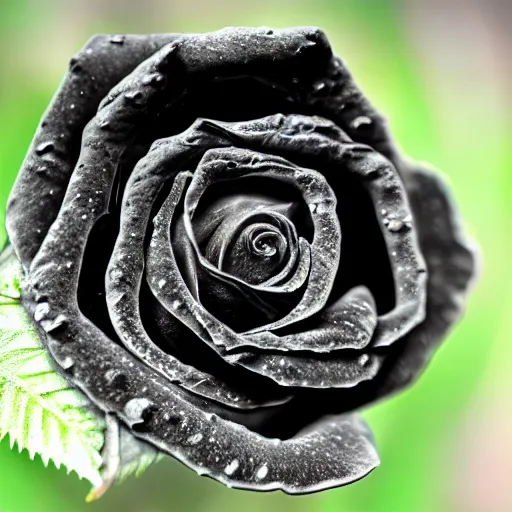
[265, 242]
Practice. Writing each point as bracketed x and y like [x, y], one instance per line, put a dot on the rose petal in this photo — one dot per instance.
[56, 267]
[322, 371]
[215, 267]
[348, 324]
[451, 259]
[451, 262]
[335, 452]
[234, 163]
[337, 97]
[46, 171]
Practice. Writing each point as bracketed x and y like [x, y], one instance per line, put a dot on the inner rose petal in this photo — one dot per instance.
[225, 165]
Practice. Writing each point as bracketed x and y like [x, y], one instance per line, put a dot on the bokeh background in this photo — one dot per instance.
[442, 73]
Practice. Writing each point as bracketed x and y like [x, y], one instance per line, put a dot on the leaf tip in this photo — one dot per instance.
[98, 491]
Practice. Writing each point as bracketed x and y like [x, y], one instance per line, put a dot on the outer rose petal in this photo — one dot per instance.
[46, 171]
[451, 259]
[451, 265]
[336, 452]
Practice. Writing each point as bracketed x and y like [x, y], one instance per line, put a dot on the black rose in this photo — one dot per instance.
[224, 248]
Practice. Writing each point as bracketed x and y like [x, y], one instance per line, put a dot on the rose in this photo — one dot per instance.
[227, 252]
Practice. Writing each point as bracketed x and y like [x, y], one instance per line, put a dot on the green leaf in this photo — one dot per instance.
[40, 410]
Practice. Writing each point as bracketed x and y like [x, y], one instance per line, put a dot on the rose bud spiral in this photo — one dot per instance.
[224, 249]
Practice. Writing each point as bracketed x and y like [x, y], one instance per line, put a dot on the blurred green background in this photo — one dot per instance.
[440, 70]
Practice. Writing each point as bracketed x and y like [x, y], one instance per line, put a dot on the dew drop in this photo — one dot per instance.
[74, 65]
[66, 363]
[231, 467]
[262, 472]
[363, 359]
[52, 325]
[133, 96]
[319, 86]
[103, 124]
[153, 79]
[394, 225]
[360, 121]
[134, 409]
[42, 311]
[194, 439]
[117, 39]
[44, 148]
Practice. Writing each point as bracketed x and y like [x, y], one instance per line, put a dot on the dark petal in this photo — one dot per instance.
[334, 452]
[347, 324]
[228, 253]
[126, 268]
[165, 281]
[451, 264]
[234, 163]
[323, 371]
[451, 259]
[84, 204]
[337, 97]
[185, 257]
[163, 272]
[45, 174]
[232, 247]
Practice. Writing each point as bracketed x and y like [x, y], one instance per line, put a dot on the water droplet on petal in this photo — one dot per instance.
[52, 325]
[134, 97]
[134, 409]
[360, 121]
[231, 467]
[103, 123]
[194, 439]
[44, 148]
[261, 472]
[117, 39]
[42, 311]
[394, 225]
[66, 363]
[153, 79]
[363, 359]
[319, 86]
